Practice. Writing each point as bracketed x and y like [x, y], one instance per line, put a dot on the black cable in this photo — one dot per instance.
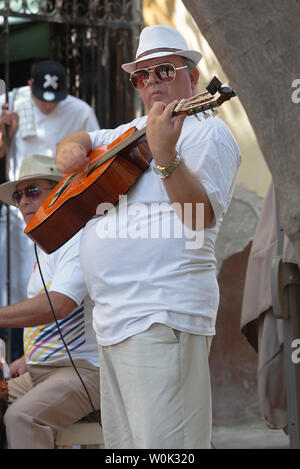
[63, 340]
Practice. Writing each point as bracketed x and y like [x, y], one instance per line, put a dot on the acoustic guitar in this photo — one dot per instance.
[111, 172]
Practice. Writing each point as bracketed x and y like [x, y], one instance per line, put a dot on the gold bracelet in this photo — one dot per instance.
[165, 171]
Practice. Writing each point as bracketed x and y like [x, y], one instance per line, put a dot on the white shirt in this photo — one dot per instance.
[62, 273]
[70, 115]
[136, 278]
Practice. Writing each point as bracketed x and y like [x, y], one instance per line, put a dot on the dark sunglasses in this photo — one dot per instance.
[31, 192]
[163, 72]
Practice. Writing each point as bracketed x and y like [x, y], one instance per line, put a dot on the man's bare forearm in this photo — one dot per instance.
[36, 311]
[81, 137]
[72, 151]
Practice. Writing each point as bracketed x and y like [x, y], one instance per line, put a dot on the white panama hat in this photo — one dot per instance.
[32, 167]
[158, 41]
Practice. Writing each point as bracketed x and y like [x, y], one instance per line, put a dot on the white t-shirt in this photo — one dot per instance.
[71, 115]
[136, 272]
[62, 273]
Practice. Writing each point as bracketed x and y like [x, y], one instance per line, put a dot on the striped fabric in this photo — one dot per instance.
[44, 343]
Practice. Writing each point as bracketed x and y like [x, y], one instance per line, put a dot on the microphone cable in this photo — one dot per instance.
[94, 412]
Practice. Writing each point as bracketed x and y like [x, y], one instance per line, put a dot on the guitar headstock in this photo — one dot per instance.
[206, 101]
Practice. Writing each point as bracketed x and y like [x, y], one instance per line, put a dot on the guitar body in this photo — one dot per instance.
[75, 199]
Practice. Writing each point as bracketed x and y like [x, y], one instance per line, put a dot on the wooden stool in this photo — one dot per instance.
[86, 433]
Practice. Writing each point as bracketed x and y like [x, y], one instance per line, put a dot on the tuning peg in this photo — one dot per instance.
[197, 117]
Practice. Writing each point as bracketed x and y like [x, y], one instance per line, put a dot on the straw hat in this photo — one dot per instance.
[158, 41]
[33, 167]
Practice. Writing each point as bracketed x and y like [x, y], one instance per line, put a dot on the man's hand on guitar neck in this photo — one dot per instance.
[72, 152]
[163, 131]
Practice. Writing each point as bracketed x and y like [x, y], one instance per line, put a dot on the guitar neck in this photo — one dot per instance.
[187, 106]
[199, 103]
[122, 145]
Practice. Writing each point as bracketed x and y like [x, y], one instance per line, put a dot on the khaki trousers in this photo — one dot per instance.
[48, 398]
[155, 391]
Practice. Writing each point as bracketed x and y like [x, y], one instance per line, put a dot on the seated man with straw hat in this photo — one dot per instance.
[45, 392]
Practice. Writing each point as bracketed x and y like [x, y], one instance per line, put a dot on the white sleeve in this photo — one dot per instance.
[68, 277]
[214, 159]
[91, 121]
[217, 173]
[107, 136]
